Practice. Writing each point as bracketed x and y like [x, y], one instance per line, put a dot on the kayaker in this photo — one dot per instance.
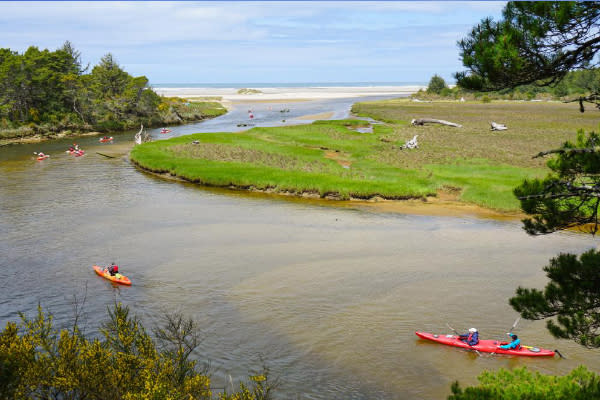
[113, 269]
[514, 344]
[471, 338]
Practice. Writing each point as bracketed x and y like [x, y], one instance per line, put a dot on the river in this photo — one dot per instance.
[329, 294]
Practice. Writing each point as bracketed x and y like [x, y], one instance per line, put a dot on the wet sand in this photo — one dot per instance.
[443, 205]
[323, 115]
[287, 93]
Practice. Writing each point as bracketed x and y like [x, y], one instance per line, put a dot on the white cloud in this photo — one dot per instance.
[173, 37]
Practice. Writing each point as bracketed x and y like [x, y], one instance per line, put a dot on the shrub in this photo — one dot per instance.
[436, 84]
[446, 92]
[248, 91]
[520, 383]
[40, 361]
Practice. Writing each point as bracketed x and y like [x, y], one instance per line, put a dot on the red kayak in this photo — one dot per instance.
[76, 153]
[40, 158]
[106, 139]
[486, 346]
[118, 278]
[165, 130]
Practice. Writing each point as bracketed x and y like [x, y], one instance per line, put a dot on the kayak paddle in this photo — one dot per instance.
[458, 334]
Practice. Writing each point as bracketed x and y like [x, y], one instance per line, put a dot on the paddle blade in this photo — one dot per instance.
[515, 324]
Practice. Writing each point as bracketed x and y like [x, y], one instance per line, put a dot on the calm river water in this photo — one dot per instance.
[328, 294]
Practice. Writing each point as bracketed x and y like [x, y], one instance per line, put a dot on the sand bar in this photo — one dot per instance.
[289, 93]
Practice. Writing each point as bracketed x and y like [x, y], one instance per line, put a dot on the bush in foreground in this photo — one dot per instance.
[520, 383]
[37, 361]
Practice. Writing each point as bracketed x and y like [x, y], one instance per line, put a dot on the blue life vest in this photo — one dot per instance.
[473, 339]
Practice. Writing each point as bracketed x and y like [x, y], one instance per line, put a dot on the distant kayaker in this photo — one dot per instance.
[113, 269]
[471, 338]
[515, 344]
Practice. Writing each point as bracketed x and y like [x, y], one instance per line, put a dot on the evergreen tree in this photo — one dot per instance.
[569, 196]
[535, 42]
[572, 296]
[436, 84]
[539, 43]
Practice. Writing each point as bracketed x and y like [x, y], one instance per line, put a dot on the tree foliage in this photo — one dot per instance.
[436, 84]
[572, 295]
[38, 361]
[570, 195]
[541, 43]
[52, 91]
[534, 42]
[575, 85]
[520, 383]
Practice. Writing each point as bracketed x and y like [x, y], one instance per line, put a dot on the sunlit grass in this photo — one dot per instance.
[332, 159]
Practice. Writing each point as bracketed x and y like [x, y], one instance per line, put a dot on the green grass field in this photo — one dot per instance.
[332, 159]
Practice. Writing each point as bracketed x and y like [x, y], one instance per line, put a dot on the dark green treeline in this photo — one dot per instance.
[45, 92]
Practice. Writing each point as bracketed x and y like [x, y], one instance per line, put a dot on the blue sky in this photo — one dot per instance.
[239, 41]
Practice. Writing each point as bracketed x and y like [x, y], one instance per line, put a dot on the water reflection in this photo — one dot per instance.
[329, 296]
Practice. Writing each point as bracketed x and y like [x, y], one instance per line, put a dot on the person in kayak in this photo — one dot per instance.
[514, 344]
[113, 269]
[471, 338]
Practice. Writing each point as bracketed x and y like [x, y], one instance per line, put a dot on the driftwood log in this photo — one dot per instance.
[138, 136]
[105, 155]
[423, 121]
[142, 136]
[411, 144]
[498, 127]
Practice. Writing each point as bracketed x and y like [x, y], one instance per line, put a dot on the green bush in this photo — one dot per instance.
[108, 126]
[446, 92]
[486, 99]
[520, 383]
[38, 361]
[436, 84]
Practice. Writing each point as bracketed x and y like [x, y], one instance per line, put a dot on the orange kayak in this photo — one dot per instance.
[103, 272]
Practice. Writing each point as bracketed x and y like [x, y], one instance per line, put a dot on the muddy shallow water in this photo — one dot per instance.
[328, 295]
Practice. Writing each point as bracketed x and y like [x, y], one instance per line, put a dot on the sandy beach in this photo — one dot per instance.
[288, 93]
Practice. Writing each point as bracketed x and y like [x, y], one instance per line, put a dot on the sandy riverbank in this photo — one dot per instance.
[443, 205]
[289, 93]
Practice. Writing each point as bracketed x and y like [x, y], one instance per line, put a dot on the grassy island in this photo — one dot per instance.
[336, 159]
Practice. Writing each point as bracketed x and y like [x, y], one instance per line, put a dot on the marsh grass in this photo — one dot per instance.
[332, 159]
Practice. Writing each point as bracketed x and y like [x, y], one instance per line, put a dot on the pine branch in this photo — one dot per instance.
[595, 149]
